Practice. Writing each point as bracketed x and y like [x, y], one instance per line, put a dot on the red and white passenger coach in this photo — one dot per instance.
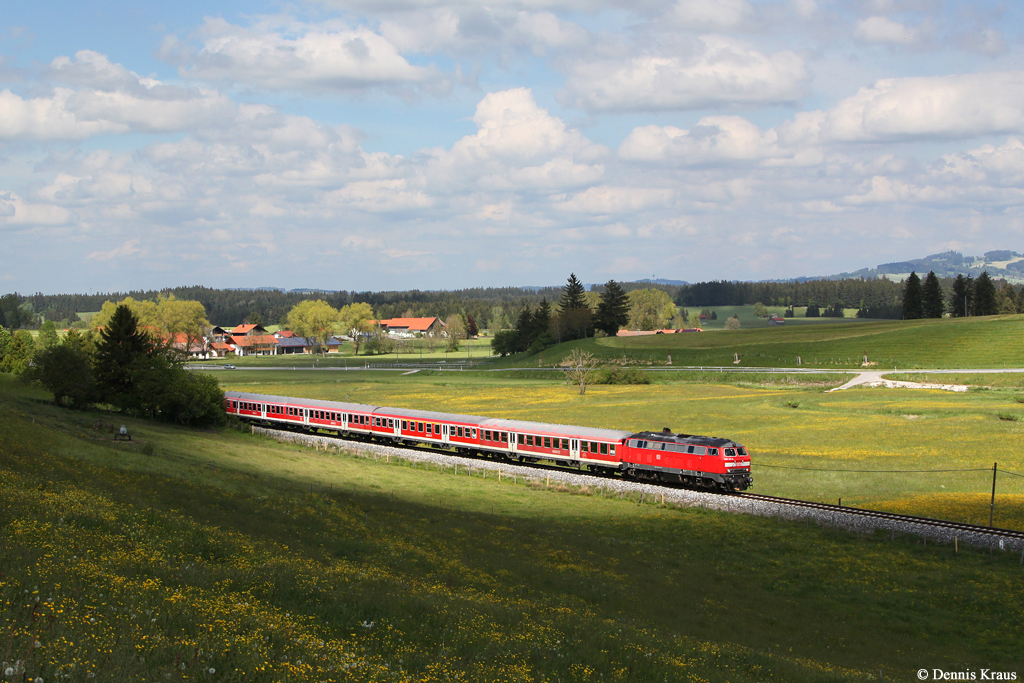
[703, 461]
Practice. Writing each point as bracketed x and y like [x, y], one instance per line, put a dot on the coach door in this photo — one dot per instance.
[445, 433]
[396, 426]
[574, 449]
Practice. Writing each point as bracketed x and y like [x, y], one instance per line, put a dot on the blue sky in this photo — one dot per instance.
[438, 144]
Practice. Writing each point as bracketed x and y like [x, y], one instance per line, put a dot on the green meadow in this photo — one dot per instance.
[875, 448]
[983, 342]
[220, 556]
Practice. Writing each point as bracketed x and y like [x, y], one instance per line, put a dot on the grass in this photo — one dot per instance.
[984, 342]
[213, 553]
[750, 321]
[793, 429]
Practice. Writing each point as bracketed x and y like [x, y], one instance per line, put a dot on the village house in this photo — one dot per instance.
[411, 327]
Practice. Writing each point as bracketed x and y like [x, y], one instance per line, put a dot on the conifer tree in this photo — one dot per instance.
[960, 298]
[985, 296]
[574, 296]
[913, 303]
[932, 295]
[121, 348]
[613, 311]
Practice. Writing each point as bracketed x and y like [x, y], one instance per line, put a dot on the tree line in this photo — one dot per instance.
[965, 296]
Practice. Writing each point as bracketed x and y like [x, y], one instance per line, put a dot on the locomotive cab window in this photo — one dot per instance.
[730, 452]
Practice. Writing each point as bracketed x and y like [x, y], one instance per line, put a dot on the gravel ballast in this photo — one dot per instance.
[834, 517]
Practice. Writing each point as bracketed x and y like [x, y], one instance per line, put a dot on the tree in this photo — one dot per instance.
[574, 296]
[471, 329]
[613, 311]
[931, 293]
[146, 314]
[760, 310]
[456, 331]
[540, 328]
[961, 296]
[5, 346]
[913, 300]
[650, 309]
[357, 321]
[122, 348]
[314, 320]
[254, 318]
[20, 351]
[733, 323]
[1006, 299]
[379, 342]
[498, 320]
[812, 311]
[504, 342]
[579, 368]
[48, 337]
[184, 320]
[66, 370]
[985, 296]
[523, 330]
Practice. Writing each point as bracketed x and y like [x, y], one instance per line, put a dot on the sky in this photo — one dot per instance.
[441, 144]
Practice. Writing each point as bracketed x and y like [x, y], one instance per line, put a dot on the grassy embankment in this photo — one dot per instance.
[203, 555]
[983, 342]
[788, 427]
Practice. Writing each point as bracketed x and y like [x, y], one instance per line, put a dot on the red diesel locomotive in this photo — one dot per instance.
[701, 461]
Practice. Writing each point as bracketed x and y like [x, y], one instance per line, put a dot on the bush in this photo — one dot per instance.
[616, 374]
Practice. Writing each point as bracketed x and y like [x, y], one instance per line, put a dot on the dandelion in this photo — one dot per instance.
[211, 670]
[8, 671]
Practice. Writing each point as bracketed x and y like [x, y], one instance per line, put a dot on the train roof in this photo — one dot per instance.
[292, 400]
[434, 415]
[481, 422]
[548, 428]
[689, 439]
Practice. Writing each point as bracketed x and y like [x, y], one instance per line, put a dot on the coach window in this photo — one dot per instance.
[419, 427]
[593, 447]
[504, 437]
[529, 439]
[458, 430]
[429, 429]
[437, 430]
[565, 443]
[604, 449]
[474, 432]
[547, 442]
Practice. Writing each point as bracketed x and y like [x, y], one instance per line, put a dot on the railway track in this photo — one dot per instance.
[753, 503]
[963, 527]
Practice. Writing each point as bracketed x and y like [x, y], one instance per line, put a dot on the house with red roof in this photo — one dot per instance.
[411, 327]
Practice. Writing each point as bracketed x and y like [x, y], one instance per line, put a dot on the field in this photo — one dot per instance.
[750, 321]
[983, 342]
[413, 351]
[218, 556]
[802, 439]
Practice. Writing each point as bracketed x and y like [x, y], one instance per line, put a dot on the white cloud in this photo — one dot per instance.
[14, 210]
[960, 106]
[711, 14]
[111, 99]
[518, 144]
[606, 199]
[480, 29]
[881, 29]
[715, 139]
[296, 57]
[719, 72]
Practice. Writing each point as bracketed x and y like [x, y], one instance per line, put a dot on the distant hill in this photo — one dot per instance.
[1001, 263]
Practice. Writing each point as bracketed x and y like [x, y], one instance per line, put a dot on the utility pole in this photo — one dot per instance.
[992, 505]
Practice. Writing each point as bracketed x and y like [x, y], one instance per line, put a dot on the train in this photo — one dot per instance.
[662, 456]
